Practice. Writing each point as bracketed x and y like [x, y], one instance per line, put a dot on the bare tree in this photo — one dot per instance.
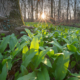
[37, 9]
[67, 9]
[59, 10]
[75, 1]
[24, 10]
[52, 8]
[31, 10]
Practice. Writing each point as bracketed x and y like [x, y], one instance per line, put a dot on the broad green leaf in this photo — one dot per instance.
[35, 44]
[18, 49]
[25, 38]
[55, 49]
[22, 32]
[65, 40]
[60, 66]
[47, 62]
[75, 75]
[1, 56]
[41, 43]
[6, 59]
[73, 63]
[73, 78]
[50, 53]
[25, 49]
[43, 75]
[7, 66]
[28, 59]
[39, 36]
[74, 35]
[24, 70]
[13, 42]
[30, 76]
[29, 33]
[16, 75]
[4, 44]
[71, 48]
[1, 66]
[57, 44]
[41, 48]
[3, 75]
[39, 58]
[8, 63]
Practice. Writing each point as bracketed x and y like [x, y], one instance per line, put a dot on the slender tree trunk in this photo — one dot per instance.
[24, 12]
[67, 10]
[70, 16]
[59, 10]
[42, 5]
[29, 5]
[54, 10]
[31, 10]
[75, 9]
[51, 8]
[37, 10]
[28, 15]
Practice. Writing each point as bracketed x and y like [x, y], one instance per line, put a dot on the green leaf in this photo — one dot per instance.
[6, 59]
[3, 75]
[28, 58]
[39, 58]
[43, 75]
[30, 76]
[50, 53]
[71, 48]
[73, 78]
[35, 44]
[29, 33]
[75, 75]
[73, 63]
[47, 62]
[57, 44]
[25, 38]
[65, 40]
[4, 44]
[24, 70]
[1, 56]
[13, 42]
[8, 64]
[18, 49]
[41, 48]
[25, 49]
[60, 66]
[22, 32]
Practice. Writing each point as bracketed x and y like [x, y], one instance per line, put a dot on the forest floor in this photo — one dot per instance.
[65, 38]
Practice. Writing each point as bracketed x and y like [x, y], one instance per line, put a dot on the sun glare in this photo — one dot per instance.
[43, 16]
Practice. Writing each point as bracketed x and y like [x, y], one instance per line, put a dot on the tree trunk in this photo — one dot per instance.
[51, 8]
[37, 10]
[31, 10]
[67, 10]
[24, 12]
[42, 5]
[52, 2]
[13, 13]
[54, 10]
[59, 10]
[75, 9]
